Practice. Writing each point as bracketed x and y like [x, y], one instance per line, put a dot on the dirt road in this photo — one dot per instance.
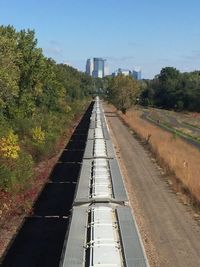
[171, 227]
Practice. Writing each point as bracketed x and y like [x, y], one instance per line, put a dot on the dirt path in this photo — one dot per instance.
[169, 225]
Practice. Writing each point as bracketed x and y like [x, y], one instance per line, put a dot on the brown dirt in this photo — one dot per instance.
[169, 229]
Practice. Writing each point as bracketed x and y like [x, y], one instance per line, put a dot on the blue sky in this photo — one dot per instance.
[150, 34]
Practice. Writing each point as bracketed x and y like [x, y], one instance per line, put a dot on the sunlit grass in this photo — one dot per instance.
[177, 155]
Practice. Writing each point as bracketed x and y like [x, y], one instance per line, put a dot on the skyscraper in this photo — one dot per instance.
[89, 66]
[98, 71]
[137, 74]
[106, 68]
[96, 67]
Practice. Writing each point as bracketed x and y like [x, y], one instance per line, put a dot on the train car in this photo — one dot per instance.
[103, 231]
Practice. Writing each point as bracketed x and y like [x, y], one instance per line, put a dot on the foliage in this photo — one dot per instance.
[122, 91]
[9, 147]
[38, 100]
[173, 90]
[38, 135]
[15, 173]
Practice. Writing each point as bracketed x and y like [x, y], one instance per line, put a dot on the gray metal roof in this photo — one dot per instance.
[89, 149]
[73, 251]
[110, 150]
[132, 246]
[83, 186]
[105, 134]
[83, 193]
[119, 190]
[88, 154]
[92, 125]
[75, 244]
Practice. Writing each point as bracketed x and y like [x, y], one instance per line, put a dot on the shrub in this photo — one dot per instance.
[6, 176]
[14, 173]
[38, 135]
[9, 147]
[24, 168]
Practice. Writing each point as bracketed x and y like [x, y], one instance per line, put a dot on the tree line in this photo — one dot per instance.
[122, 91]
[38, 99]
[172, 89]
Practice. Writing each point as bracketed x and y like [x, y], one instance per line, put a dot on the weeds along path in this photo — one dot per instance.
[171, 226]
[39, 242]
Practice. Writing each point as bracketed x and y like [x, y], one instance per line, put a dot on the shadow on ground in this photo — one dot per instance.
[40, 240]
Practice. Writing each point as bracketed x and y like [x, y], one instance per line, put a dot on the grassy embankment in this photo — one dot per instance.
[173, 153]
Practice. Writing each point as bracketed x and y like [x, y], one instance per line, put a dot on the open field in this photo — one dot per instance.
[176, 155]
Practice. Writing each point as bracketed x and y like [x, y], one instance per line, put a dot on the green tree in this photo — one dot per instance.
[35, 93]
[165, 86]
[31, 64]
[123, 92]
[173, 90]
[9, 71]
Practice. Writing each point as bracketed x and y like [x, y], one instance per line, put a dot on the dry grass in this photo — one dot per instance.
[178, 156]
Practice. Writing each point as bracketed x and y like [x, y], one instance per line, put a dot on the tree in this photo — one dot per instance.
[168, 73]
[123, 92]
[173, 90]
[165, 86]
[9, 71]
[147, 94]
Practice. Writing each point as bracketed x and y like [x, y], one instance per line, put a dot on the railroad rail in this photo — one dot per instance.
[103, 231]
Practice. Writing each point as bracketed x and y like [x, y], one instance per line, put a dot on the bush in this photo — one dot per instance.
[15, 173]
[7, 177]
[24, 168]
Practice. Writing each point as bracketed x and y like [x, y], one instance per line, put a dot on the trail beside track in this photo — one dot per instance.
[171, 227]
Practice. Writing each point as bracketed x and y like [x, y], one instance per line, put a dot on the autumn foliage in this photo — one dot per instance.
[38, 100]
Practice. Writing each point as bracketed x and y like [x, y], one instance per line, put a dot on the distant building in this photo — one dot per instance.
[106, 69]
[98, 71]
[89, 66]
[136, 74]
[97, 67]
[125, 72]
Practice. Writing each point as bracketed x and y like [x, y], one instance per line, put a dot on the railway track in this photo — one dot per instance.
[82, 217]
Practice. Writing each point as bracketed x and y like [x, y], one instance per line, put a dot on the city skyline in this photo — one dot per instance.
[150, 34]
[99, 68]
[136, 73]
[96, 67]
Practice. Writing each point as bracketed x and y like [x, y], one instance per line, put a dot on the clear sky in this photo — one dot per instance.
[150, 34]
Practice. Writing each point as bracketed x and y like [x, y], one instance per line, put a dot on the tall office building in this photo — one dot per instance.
[89, 66]
[96, 67]
[137, 74]
[106, 69]
[99, 68]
